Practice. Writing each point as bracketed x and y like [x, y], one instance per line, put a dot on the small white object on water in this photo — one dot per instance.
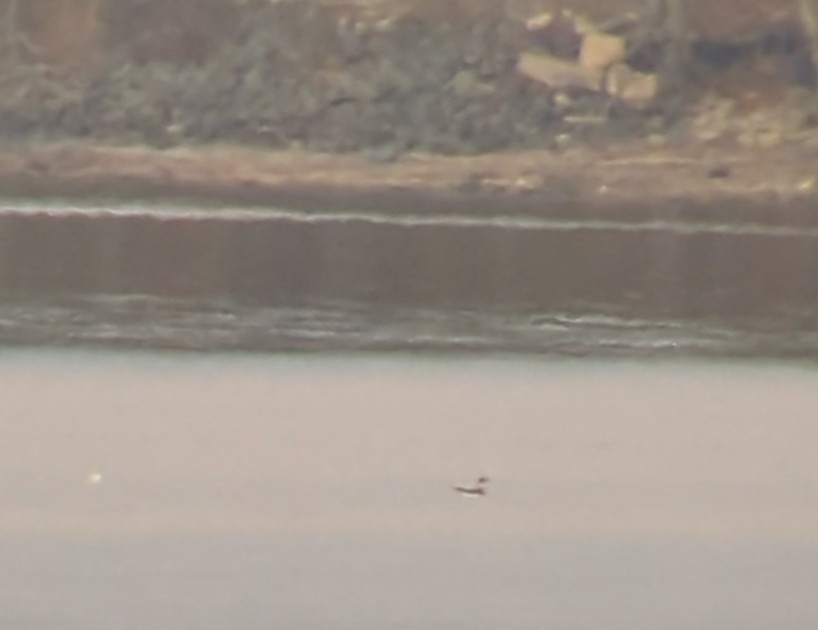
[94, 479]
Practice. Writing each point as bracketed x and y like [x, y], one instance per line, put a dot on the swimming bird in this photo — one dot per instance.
[475, 491]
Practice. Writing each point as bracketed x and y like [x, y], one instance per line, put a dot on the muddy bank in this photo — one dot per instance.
[615, 109]
[632, 184]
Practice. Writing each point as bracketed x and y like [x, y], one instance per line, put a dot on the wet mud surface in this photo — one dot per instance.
[258, 280]
[776, 186]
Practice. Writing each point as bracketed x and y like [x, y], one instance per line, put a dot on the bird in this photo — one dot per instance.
[475, 491]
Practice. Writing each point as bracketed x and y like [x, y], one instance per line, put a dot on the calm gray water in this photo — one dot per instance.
[315, 493]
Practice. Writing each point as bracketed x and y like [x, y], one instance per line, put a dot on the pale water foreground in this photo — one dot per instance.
[248, 493]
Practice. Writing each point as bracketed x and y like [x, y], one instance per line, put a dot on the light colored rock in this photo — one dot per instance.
[563, 140]
[637, 89]
[713, 118]
[600, 51]
[763, 128]
[760, 138]
[539, 22]
[557, 73]
[562, 102]
[528, 183]
[806, 185]
[657, 140]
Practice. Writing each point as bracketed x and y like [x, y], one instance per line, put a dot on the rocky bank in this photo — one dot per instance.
[558, 85]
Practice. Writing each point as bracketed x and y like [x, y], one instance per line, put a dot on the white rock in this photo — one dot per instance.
[558, 73]
[600, 51]
[539, 22]
[637, 89]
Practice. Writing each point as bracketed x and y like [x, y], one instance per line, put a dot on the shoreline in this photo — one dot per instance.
[118, 323]
[537, 235]
[625, 183]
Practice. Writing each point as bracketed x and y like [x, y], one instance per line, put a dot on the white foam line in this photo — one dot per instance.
[409, 220]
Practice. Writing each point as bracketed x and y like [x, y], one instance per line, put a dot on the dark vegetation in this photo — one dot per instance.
[384, 78]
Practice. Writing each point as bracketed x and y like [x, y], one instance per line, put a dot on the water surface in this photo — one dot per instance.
[256, 492]
[277, 279]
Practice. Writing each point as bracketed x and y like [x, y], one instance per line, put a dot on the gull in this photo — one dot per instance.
[475, 491]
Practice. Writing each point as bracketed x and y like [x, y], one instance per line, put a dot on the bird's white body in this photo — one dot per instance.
[470, 493]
